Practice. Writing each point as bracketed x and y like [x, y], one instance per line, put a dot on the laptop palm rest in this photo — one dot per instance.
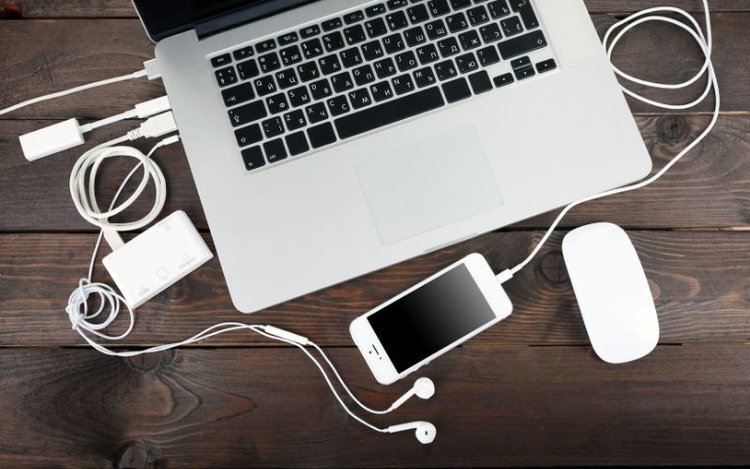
[418, 186]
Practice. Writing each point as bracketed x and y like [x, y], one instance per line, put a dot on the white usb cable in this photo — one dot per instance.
[706, 45]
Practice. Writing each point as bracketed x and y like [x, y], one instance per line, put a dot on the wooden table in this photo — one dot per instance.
[528, 392]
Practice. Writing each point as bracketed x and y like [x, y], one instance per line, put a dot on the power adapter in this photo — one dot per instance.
[157, 258]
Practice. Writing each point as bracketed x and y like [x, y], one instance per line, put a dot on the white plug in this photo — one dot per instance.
[50, 140]
[157, 258]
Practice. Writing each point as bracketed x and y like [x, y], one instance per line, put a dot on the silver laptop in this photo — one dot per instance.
[331, 138]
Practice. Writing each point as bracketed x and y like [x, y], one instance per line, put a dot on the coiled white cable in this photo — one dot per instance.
[706, 45]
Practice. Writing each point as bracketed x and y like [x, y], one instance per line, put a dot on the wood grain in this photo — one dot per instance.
[50, 55]
[124, 8]
[700, 280]
[266, 407]
[689, 196]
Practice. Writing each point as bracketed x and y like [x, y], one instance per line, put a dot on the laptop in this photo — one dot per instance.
[332, 138]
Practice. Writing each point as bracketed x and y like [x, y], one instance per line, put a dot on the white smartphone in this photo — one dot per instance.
[422, 323]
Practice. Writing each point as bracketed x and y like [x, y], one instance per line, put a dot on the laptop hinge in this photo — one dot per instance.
[226, 21]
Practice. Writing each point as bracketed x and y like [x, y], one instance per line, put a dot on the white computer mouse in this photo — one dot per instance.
[612, 292]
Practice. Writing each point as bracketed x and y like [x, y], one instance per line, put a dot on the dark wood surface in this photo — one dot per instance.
[528, 392]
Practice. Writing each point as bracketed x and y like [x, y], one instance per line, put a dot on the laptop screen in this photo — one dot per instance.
[163, 18]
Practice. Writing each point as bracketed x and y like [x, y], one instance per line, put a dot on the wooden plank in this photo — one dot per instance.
[700, 281]
[51, 55]
[709, 188]
[124, 8]
[494, 407]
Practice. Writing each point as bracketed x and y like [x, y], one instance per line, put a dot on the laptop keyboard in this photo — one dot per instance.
[303, 90]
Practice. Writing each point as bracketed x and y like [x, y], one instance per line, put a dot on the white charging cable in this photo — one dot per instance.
[706, 45]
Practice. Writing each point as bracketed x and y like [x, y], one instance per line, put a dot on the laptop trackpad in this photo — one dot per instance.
[418, 186]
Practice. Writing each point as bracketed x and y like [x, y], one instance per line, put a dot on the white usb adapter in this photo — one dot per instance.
[157, 258]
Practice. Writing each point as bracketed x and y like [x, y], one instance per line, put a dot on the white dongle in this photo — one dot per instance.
[51, 140]
[157, 258]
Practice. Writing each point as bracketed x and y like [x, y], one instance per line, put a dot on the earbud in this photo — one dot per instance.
[423, 388]
[424, 431]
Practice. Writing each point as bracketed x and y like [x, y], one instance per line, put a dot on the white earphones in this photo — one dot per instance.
[423, 388]
[425, 431]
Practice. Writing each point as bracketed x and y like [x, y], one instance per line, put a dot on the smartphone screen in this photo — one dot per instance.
[430, 318]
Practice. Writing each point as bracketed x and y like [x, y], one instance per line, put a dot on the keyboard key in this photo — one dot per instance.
[480, 82]
[445, 70]
[342, 82]
[321, 135]
[414, 36]
[248, 69]
[238, 94]
[389, 112]
[406, 61]
[384, 68]
[403, 84]
[511, 26]
[273, 127]
[308, 71]
[456, 22]
[295, 120]
[298, 96]
[333, 41]
[469, 40]
[466, 63]
[330, 25]
[381, 91]
[320, 89]
[491, 33]
[316, 113]
[351, 57]
[253, 158]
[310, 31]
[436, 29]
[375, 10]
[393, 43]
[524, 73]
[522, 45]
[427, 54]
[418, 14]
[458, 4]
[297, 143]
[265, 46]
[546, 66]
[448, 47]
[488, 56]
[477, 15]
[264, 85]
[286, 78]
[248, 135]
[527, 13]
[520, 63]
[397, 20]
[221, 60]
[290, 55]
[498, 9]
[375, 27]
[354, 34]
[503, 80]
[424, 77]
[372, 50]
[275, 150]
[438, 7]
[277, 103]
[312, 48]
[338, 105]
[269, 62]
[456, 90]
[226, 76]
[353, 17]
[245, 52]
[287, 38]
[363, 75]
[394, 4]
[248, 113]
[329, 64]
[360, 98]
